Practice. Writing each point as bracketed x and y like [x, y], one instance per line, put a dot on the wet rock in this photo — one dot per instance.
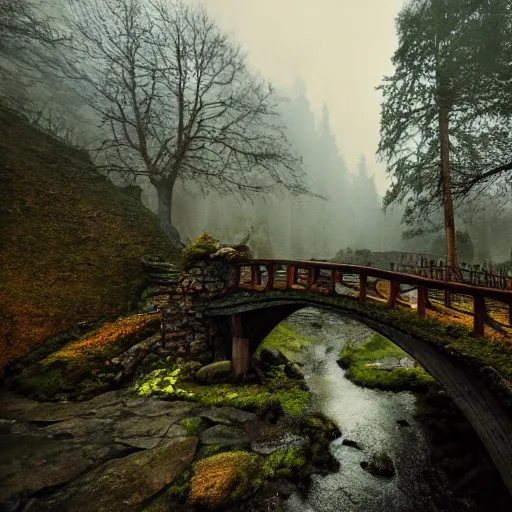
[154, 407]
[352, 444]
[271, 410]
[123, 484]
[406, 363]
[139, 426]
[293, 371]
[141, 443]
[31, 463]
[272, 357]
[214, 372]
[266, 447]
[380, 465]
[81, 427]
[225, 415]
[225, 435]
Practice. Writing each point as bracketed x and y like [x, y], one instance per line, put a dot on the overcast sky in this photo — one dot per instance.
[341, 49]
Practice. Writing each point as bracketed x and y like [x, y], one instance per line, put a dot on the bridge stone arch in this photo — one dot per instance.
[251, 319]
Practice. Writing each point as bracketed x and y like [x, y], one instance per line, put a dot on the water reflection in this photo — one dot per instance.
[370, 418]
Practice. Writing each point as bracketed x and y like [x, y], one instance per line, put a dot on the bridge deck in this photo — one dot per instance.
[353, 280]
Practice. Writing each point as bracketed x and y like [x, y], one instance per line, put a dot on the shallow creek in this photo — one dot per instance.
[368, 417]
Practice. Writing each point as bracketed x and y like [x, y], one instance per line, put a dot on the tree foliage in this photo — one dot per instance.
[453, 55]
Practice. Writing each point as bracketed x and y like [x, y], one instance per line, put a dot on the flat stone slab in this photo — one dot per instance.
[81, 427]
[225, 435]
[154, 407]
[121, 485]
[137, 426]
[225, 415]
[30, 463]
[23, 409]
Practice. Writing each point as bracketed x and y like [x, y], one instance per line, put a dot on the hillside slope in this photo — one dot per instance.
[70, 241]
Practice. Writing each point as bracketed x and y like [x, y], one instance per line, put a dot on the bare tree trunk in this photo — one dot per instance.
[164, 191]
[449, 220]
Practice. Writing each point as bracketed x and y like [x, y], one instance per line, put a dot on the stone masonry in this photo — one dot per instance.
[186, 331]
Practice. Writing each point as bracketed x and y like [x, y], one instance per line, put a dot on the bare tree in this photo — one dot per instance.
[27, 41]
[179, 101]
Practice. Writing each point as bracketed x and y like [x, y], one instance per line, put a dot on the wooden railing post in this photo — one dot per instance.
[363, 281]
[480, 313]
[422, 300]
[240, 348]
[332, 287]
[311, 277]
[290, 277]
[255, 275]
[393, 293]
[271, 270]
[238, 271]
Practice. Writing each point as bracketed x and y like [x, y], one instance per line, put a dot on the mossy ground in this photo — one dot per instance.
[356, 358]
[174, 382]
[74, 368]
[166, 382]
[71, 240]
[287, 340]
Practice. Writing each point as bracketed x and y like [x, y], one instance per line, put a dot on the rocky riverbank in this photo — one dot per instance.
[455, 449]
[180, 437]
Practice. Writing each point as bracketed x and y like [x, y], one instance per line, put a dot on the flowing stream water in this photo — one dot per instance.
[368, 417]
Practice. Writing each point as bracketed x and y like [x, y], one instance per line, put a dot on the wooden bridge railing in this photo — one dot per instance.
[467, 274]
[310, 276]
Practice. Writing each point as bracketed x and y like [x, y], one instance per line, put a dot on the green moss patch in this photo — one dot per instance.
[284, 463]
[357, 358]
[171, 383]
[193, 426]
[285, 339]
[200, 249]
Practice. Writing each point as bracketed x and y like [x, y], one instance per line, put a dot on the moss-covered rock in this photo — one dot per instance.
[320, 431]
[200, 249]
[221, 480]
[219, 371]
[271, 410]
[162, 382]
[284, 463]
[380, 465]
[193, 425]
[359, 361]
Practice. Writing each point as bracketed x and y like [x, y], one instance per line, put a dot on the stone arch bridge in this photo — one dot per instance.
[222, 309]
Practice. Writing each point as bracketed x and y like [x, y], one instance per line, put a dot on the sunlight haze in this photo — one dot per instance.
[340, 48]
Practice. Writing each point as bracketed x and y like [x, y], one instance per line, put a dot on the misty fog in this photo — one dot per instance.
[325, 61]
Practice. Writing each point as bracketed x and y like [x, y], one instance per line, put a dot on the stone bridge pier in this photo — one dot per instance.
[187, 331]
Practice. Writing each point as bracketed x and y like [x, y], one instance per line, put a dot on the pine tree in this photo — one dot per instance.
[437, 108]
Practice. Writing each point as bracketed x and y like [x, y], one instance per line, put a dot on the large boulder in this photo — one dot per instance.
[215, 372]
